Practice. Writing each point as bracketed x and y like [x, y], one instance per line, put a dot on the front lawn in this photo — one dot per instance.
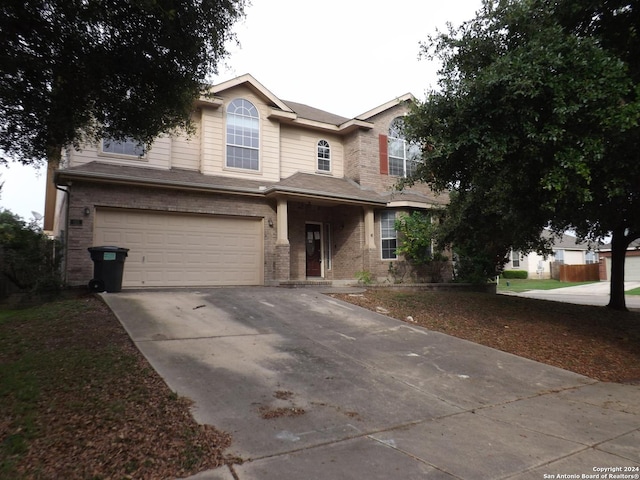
[635, 291]
[79, 401]
[523, 285]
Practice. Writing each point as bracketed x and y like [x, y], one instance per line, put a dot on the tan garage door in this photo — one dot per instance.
[171, 250]
[631, 269]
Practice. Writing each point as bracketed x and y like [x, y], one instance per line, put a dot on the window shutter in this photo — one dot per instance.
[384, 154]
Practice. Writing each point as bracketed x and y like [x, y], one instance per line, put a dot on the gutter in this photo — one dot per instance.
[316, 194]
[110, 178]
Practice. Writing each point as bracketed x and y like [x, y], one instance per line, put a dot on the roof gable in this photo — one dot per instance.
[299, 113]
[254, 85]
[407, 97]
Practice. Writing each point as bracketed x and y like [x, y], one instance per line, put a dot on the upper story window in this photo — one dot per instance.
[129, 147]
[388, 235]
[515, 258]
[403, 155]
[324, 156]
[243, 135]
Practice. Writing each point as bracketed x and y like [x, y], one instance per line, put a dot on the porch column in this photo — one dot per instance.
[370, 238]
[283, 253]
[282, 223]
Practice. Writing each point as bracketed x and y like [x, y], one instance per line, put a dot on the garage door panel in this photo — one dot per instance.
[175, 240]
[133, 238]
[631, 268]
[113, 238]
[184, 250]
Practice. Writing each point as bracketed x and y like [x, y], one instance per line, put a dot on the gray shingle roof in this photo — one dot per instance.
[315, 114]
[153, 176]
[567, 242]
[299, 184]
[325, 186]
[635, 245]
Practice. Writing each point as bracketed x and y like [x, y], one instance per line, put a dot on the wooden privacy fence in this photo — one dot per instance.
[580, 273]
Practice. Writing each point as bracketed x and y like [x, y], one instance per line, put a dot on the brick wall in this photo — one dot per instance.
[92, 196]
[347, 234]
[362, 154]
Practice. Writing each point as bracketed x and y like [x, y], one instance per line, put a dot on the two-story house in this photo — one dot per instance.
[264, 192]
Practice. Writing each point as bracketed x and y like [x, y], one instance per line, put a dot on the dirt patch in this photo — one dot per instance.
[268, 413]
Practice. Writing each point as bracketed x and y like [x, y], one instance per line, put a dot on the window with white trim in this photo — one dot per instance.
[403, 155]
[515, 258]
[388, 235]
[327, 246]
[128, 147]
[590, 257]
[558, 256]
[324, 156]
[243, 135]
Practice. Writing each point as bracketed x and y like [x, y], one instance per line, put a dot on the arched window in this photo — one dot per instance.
[324, 156]
[403, 156]
[243, 135]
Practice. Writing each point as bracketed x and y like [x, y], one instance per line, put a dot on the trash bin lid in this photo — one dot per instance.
[108, 249]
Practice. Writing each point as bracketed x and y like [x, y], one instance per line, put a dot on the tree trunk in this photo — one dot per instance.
[619, 244]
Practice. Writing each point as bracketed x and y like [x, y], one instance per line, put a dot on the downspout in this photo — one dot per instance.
[66, 234]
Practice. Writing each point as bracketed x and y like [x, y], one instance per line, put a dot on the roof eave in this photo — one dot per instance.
[254, 85]
[413, 204]
[342, 129]
[318, 195]
[209, 101]
[65, 177]
[407, 97]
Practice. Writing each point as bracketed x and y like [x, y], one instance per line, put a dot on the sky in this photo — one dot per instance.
[342, 56]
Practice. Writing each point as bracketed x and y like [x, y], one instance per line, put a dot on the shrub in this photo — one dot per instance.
[522, 274]
[364, 277]
[28, 258]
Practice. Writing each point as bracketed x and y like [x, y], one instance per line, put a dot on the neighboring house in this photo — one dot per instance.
[631, 263]
[566, 250]
[265, 192]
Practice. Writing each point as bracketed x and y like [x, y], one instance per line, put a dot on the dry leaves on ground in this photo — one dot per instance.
[95, 408]
[593, 341]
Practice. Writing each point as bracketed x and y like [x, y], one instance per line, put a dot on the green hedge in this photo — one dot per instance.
[515, 274]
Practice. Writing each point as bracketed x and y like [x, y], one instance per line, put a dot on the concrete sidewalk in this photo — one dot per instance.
[596, 294]
[314, 388]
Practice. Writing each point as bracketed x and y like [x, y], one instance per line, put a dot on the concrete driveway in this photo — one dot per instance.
[357, 395]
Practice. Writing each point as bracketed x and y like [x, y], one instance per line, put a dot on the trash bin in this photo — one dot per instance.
[108, 267]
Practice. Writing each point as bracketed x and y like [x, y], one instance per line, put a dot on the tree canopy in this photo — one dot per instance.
[81, 70]
[536, 124]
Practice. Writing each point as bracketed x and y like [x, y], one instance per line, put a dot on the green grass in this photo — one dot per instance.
[520, 285]
[38, 362]
[635, 291]
[71, 380]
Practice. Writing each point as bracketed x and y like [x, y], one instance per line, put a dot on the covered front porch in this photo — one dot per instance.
[325, 231]
[322, 241]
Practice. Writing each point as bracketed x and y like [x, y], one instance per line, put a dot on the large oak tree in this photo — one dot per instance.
[536, 124]
[73, 71]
